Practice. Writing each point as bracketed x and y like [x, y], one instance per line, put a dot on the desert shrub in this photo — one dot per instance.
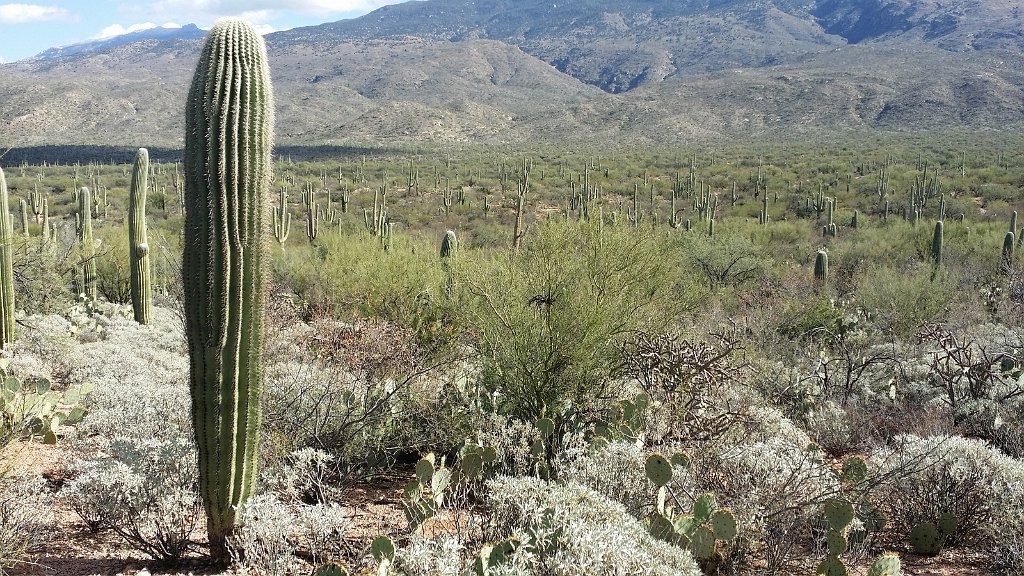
[351, 276]
[42, 275]
[1004, 533]
[547, 319]
[271, 531]
[113, 276]
[262, 543]
[725, 259]
[946, 474]
[145, 492]
[26, 518]
[776, 486]
[592, 536]
[364, 424]
[897, 301]
[140, 376]
[686, 378]
[431, 557]
[616, 471]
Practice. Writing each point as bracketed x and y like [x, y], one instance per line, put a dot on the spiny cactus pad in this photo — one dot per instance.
[887, 564]
[926, 539]
[832, 566]
[947, 523]
[839, 514]
[659, 469]
[723, 522]
[855, 470]
[382, 548]
[704, 507]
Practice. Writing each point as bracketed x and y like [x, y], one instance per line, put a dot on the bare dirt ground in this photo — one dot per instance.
[375, 509]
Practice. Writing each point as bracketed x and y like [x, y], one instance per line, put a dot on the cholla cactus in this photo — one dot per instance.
[138, 246]
[228, 132]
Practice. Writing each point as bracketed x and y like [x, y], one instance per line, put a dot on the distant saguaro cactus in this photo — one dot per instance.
[448, 244]
[1006, 256]
[88, 248]
[821, 266]
[228, 133]
[138, 246]
[6, 268]
[937, 243]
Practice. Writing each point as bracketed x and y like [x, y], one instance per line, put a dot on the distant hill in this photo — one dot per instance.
[187, 32]
[598, 71]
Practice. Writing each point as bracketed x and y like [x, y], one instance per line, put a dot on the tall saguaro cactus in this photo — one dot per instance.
[138, 246]
[88, 247]
[6, 268]
[228, 133]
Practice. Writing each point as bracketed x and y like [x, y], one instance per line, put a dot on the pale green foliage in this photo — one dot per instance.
[947, 474]
[26, 518]
[549, 316]
[145, 491]
[569, 530]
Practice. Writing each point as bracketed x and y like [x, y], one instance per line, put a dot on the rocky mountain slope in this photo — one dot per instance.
[648, 71]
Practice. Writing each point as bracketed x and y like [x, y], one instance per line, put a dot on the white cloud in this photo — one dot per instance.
[208, 10]
[118, 30]
[21, 13]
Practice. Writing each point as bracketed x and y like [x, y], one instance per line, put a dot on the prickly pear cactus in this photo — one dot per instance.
[659, 469]
[926, 539]
[887, 564]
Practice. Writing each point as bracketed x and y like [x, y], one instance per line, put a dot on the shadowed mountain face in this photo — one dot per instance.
[584, 70]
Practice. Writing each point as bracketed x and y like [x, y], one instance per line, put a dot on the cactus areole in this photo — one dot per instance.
[228, 132]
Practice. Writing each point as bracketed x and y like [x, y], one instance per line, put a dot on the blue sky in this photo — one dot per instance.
[30, 26]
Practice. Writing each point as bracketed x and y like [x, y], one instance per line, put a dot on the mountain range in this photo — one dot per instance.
[585, 71]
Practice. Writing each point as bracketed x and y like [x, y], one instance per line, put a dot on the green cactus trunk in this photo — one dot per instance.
[228, 133]
[88, 247]
[937, 244]
[138, 246]
[6, 268]
[821, 266]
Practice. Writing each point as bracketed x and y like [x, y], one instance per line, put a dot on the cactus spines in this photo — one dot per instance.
[6, 269]
[937, 244]
[138, 253]
[228, 132]
[821, 266]
[88, 248]
[887, 564]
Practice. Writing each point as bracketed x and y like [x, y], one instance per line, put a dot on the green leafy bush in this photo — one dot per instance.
[547, 320]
